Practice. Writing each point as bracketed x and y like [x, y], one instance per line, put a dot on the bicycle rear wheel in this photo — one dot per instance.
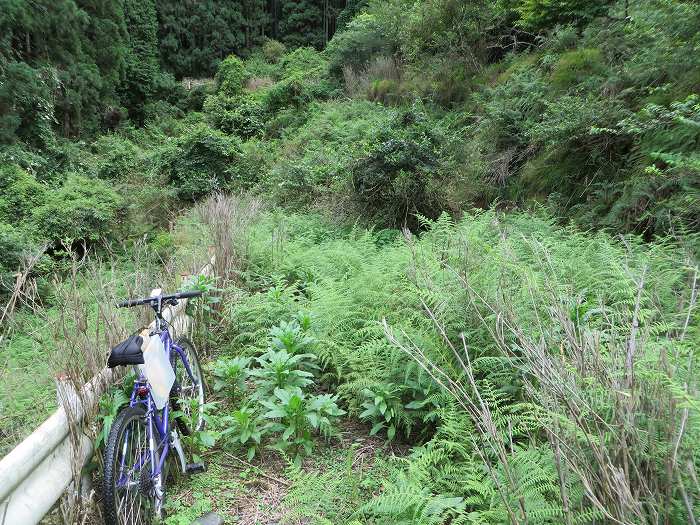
[129, 498]
[190, 396]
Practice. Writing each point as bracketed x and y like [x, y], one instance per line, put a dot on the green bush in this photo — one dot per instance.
[397, 178]
[256, 157]
[20, 194]
[299, 89]
[304, 79]
[273, 50]
[302, 60]
[194, 100]
[82, 209]
[117, 158]
[199, 162]
[231, 75]
[242, 115]
[14, 245]
[362, 41]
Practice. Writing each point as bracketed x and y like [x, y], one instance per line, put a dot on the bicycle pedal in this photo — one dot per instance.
[195, 468]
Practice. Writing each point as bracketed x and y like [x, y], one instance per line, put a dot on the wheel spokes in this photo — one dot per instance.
[132, 504]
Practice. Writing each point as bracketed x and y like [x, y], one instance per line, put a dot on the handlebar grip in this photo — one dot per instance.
[187, 295]
[128, 303]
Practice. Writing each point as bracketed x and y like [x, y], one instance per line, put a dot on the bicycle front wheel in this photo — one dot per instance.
[129, 498]
[190, 396]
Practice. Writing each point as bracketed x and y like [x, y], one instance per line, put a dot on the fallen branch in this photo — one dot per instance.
[250, 465]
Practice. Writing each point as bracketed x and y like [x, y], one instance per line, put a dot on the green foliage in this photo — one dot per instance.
[242, 115]
[117, 157]
[109, 408]
[273, 50]
[384, 408]
[292, 337]
[198, 162]
[20, 194]
[230, 76]
[397, 178]
[26, 103]
[296, 415]
[15, 244]
[230, 375]
[362, 40]
[82, 209]
[542, 15]
[578, 68]
[246, 428]
[194, 36]
[304, 79]
[142, 75]
[301, 23]
[280, 370]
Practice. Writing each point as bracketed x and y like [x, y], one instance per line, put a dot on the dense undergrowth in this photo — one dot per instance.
[479, 240]
[520, 376]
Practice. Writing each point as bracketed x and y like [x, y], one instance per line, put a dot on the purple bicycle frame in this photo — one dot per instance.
[157, 424]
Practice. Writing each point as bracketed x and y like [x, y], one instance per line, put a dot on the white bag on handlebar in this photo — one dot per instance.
[156, 367]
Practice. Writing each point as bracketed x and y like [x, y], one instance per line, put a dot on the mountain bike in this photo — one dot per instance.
[142, 436]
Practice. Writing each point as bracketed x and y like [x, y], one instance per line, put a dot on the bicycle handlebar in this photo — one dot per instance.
[162, 298]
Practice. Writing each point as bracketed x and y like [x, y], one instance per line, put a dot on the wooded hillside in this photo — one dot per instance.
[467, 231]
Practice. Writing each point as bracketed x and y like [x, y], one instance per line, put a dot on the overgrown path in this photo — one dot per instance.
[408, 375]
[270, 489]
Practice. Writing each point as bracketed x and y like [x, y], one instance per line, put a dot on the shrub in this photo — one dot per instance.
[161, 110]
[298, 90]
[253, 164]
[14, 245]
[198, 162]
[117, 157]
[196, 94]
[231, 75]
[20, 193]
[273, 50]
[302, 60]
[83, 208]
[241, 115]
[304, 79]
[394, 180]
[362, 41]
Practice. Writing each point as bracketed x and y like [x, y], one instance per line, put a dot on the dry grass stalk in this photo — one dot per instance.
[358, 82]
[227, 218]
[23, 291]
[256, 83]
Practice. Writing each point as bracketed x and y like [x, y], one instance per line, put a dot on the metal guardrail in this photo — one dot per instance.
[36, 473]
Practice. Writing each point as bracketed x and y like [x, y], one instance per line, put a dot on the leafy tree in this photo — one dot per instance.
[301, 23]
[541, 15]
[230, 76]
[196, 36]
[142, 69]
